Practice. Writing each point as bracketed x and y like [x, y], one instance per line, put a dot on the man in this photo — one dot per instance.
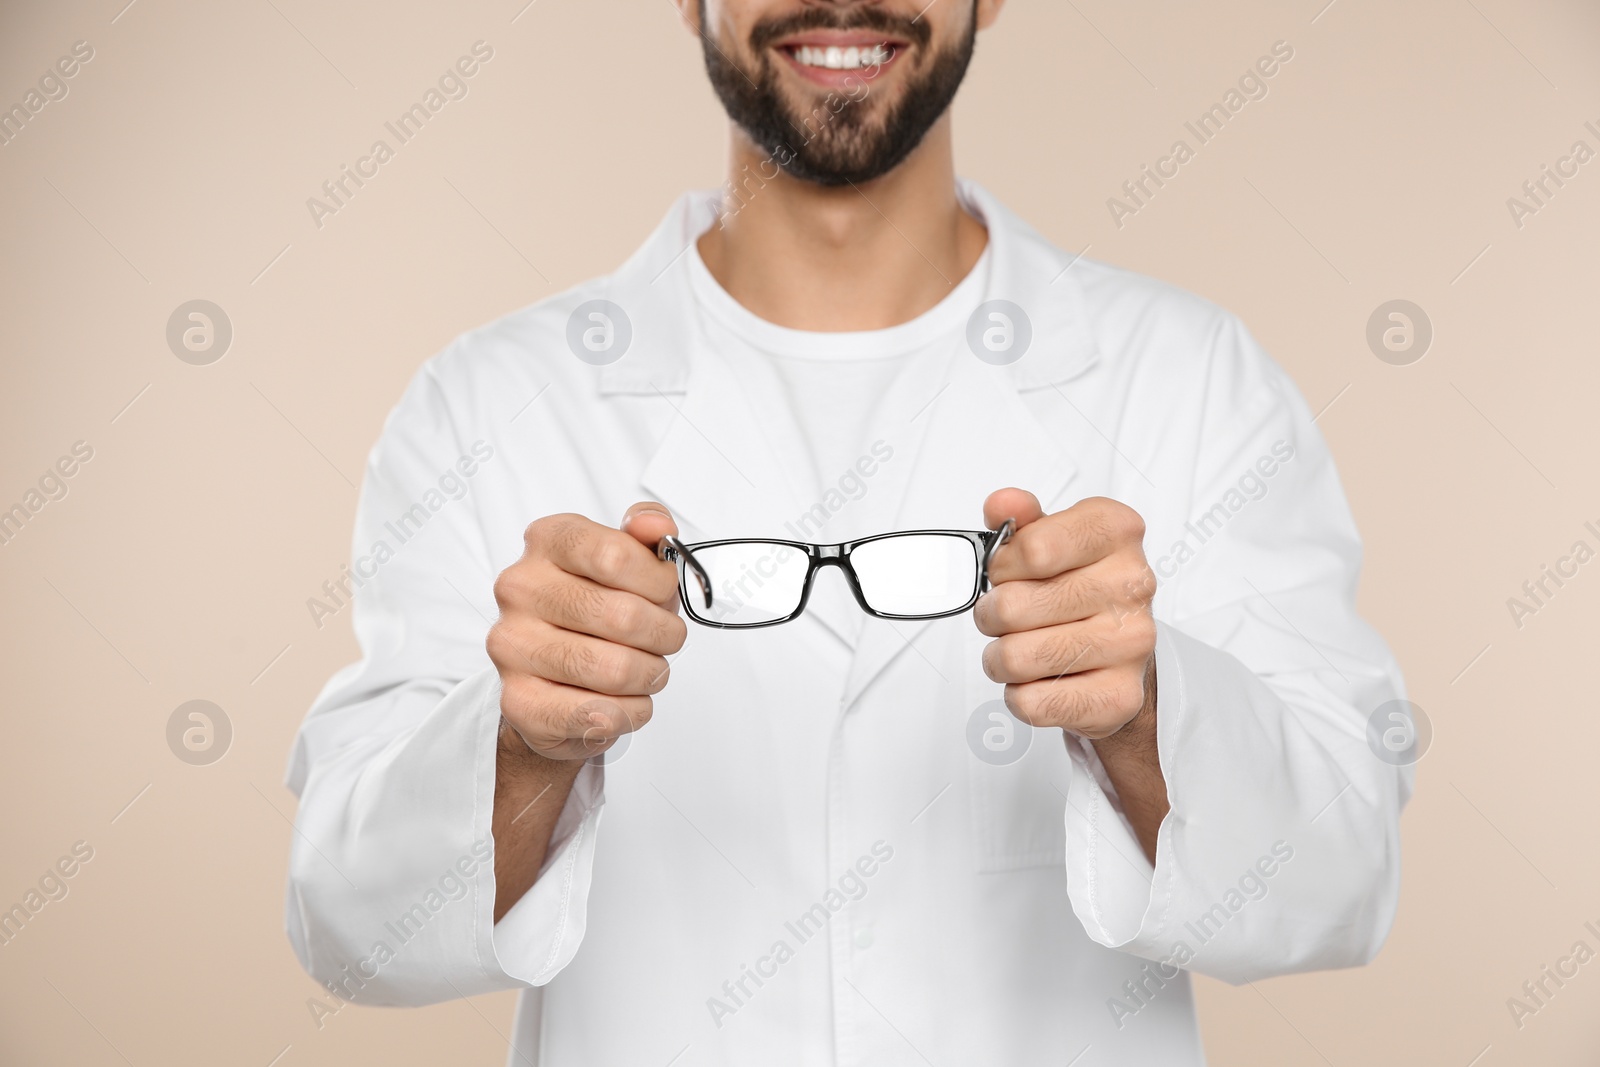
[836, 846]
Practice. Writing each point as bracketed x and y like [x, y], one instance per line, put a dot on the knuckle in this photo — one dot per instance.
[1012, 658]
[1098, 528]
[1064, 652]
[985, 614]
[1006, 607]
[1039, 552]
[990, 662]
[573, 661]
[1031, 703]
[1069, 705]
[675, 633]
[546, 530]
[1050, 651]
[582, 715]
[1109, 706]
[611, 670]
[521, 698]
[639, 714]
[1141, 630]
[1126, 697]
[1097, 593]
[592, 727]
[1126, 521]
[563, 534]
[575, 603]
[610, 561]
[1135, 578]
[500, 647]
[1068, 598]
[1046, 600]
[621, 615]
[511, 651]
[510, 705]
[1023, 703]
[660, 674]
[508, 587]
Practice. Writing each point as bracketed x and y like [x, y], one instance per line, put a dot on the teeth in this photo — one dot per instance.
[836, 58]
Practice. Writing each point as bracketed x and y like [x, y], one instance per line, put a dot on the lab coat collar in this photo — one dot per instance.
[652, 287]
[733, 464]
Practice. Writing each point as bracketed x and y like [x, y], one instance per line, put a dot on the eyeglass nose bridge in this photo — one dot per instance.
[834, 556]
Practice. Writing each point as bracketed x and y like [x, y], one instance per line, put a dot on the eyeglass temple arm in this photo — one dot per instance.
[671, 548]
[998, 538]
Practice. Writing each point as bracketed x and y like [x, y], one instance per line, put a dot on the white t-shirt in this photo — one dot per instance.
[835, 382]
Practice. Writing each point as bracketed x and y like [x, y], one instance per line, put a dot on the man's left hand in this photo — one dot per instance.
[1070, 609]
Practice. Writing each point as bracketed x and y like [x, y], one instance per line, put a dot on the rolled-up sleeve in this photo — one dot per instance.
[391, 877]
[1281, 850]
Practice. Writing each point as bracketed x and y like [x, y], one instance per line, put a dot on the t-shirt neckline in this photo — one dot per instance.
[944, 318]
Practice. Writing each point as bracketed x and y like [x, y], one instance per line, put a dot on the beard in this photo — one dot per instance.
[837, 145]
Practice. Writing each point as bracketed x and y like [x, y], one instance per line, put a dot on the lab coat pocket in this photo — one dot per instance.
[1017, 775]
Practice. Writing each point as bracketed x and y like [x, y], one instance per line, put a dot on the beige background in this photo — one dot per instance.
[220, 497]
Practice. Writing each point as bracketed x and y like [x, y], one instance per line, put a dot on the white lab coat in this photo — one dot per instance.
[821, 770]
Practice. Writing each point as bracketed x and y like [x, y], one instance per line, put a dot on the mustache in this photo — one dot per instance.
[899, 27]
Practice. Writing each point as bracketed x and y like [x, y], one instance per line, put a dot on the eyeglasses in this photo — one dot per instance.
[750, 582]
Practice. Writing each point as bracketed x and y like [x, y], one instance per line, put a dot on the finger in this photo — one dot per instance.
[1087, 531]
[580, 546]
[591, 663]
[1018, 505]
[648, 522]
[572, 602]
[1094, 704]
[1108, 585]
[535, 647]
[1057, 651]
[568, 722]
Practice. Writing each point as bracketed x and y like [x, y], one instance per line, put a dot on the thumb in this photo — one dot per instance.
[648, 522]
[1019, 505]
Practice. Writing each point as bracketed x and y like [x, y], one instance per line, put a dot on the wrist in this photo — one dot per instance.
[515, 760]
[1139, 731]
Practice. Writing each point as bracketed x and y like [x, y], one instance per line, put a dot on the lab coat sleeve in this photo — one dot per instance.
[1281, 851]
[391, 874]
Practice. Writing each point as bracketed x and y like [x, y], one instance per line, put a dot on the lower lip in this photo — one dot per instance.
[841, 79]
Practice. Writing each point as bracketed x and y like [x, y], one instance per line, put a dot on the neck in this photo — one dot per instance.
[855, 257]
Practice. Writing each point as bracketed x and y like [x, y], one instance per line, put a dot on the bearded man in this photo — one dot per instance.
[855, 632]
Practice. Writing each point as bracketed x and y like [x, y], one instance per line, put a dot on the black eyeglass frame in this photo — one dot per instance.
[985, 544]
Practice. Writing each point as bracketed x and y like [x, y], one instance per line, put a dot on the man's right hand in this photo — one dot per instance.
[587, 616]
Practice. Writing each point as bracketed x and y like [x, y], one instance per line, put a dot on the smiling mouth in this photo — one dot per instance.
[836, 57]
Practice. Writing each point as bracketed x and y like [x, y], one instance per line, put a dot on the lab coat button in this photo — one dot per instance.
[863, 938]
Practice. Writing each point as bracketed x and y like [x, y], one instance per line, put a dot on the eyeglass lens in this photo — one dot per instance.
[916, 574]
[751, 582]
